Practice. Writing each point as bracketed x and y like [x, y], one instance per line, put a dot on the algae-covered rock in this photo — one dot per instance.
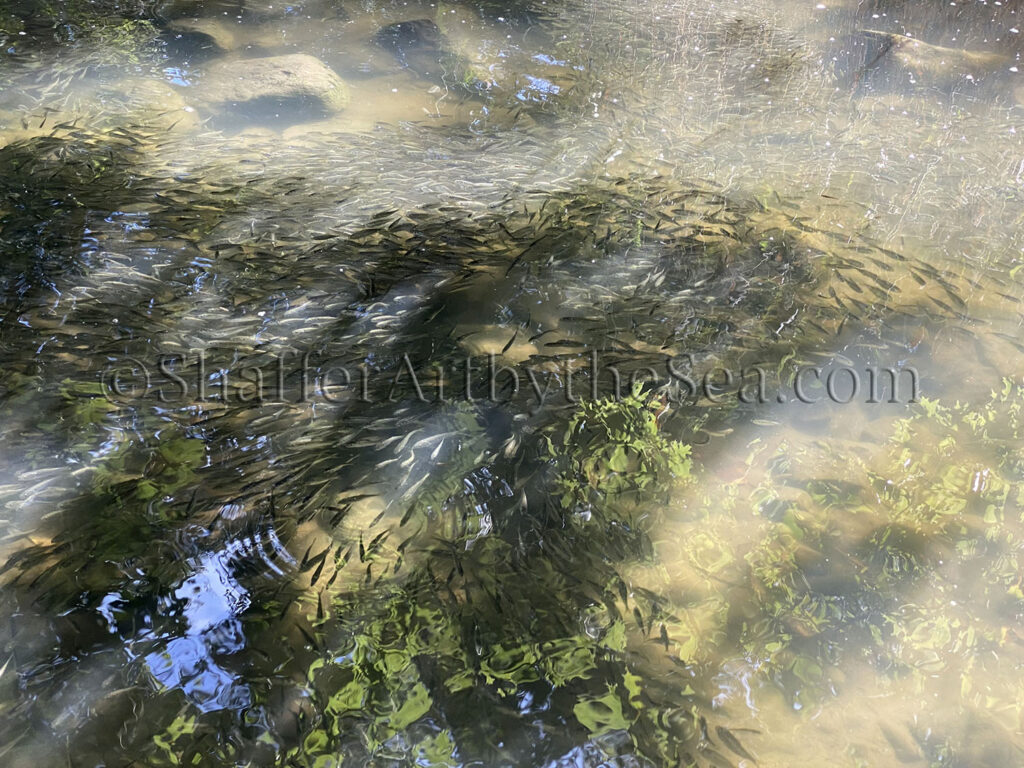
[294, 80]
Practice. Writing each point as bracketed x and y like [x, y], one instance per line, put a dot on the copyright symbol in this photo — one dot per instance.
[125, 380]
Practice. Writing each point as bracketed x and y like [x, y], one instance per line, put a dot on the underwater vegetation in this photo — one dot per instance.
[542, 609]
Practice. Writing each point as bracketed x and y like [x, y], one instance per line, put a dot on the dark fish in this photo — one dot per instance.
[853, 286]
[639, 618]
[307, 634]
[337, 517]
[331, 580]
[732, 743]
[903, 746]
[305, 558]
[377, 542]
[317, 572]
[508, 344]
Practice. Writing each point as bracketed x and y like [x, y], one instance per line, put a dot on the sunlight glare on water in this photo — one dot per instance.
[596, 382]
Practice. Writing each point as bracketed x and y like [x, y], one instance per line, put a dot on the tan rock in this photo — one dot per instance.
[935, 63]
[295, 79]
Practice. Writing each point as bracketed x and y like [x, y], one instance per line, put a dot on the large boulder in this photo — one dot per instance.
[204, 35]
[295, 81]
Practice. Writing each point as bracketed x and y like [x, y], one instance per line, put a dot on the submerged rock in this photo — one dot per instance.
[206, 35]
[933, 63]
[506, 76]
[172, 9]
[423, 48]
[295, 80]
[147, 104]
[246, 9]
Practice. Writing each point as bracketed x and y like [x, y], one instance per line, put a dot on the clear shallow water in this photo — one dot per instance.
[359, 571]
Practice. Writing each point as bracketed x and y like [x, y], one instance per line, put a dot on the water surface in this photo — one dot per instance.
[311, 452]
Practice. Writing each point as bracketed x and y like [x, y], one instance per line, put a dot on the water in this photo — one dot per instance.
[311, 454]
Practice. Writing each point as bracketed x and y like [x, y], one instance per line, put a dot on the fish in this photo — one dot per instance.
[731, 743]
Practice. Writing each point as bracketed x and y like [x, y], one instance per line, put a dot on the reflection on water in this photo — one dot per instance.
[440, 238]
